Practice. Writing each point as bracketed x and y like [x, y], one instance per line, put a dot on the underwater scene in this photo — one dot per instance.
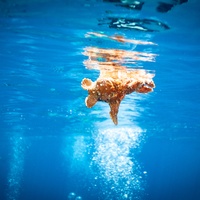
[100, 100]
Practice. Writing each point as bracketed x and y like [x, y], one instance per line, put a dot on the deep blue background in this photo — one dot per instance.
[49, 139]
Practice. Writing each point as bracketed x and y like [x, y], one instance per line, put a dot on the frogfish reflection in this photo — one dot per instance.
[115, 81]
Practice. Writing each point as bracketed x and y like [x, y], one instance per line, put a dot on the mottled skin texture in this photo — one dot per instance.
[111, 87]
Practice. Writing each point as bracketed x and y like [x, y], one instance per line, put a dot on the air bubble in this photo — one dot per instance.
[78, 198]
[71, 196]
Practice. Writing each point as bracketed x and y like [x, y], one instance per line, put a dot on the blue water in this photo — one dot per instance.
[53, 147]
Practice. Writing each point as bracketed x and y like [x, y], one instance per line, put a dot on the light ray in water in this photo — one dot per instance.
[16, 167]
[14, 117]
[117, 167]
